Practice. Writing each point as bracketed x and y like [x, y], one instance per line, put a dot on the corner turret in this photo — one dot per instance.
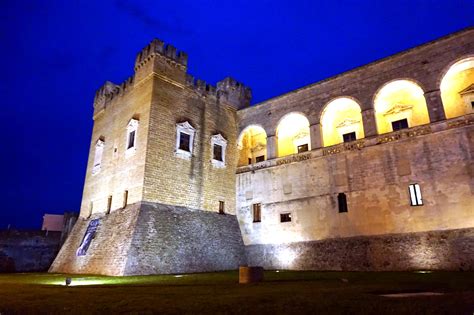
[234, 92]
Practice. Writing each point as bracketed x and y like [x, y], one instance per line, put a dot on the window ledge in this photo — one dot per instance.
[130, 151]
[96, 169]
[218, 164]
[186, 155]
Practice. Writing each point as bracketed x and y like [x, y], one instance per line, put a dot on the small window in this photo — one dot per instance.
[348, 137]
[218, 146]
[131, 139]
[221, 207]
[285, 217]
[109, 204]
[399, 124]
[257, 212]
[184, 140]
[260, 158]
[472, 104]
[302, 148]
[217, 152]
[342, 202]
[99, 149]
[250, 161]
[125, 198]
[415, 195]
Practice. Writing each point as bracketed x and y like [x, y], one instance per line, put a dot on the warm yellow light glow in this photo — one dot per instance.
[286, 257]
[341, 116]
[401, 99]
[459, 77]
[292, 131]
[252, 145]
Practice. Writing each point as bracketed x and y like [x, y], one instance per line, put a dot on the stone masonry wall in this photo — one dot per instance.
[375, 179]
[170, 239]
[108, 251]
[27, 251]
[433, 250]
[154, 238]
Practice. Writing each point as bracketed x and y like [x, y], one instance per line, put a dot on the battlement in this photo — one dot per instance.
[234, 92]
[229, 89]
[200, 86]
[109, 90]
[158, 47]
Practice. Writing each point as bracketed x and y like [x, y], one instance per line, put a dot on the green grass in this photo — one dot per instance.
[286, 292]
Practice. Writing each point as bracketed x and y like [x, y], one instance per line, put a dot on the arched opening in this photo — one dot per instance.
[293, 134]
[252, 145]
[457, 89]
[400, 104]
[341, 121]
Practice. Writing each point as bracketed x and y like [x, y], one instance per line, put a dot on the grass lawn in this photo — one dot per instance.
[282, 292]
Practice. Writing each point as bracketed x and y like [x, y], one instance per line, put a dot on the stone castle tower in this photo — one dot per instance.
[369, 170]
[161, 167]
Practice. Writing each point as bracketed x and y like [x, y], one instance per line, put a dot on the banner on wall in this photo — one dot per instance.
[88, 237]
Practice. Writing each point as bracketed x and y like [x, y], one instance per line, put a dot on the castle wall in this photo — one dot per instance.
[119, 171]
[153, 238]
[194, 182]
[434, 250]
[170, 239]
[375, 178]
[27, 251]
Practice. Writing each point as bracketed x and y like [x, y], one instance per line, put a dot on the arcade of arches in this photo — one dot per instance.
[398, 104]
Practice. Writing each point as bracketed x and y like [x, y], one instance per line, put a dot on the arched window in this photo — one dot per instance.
[293, 134]
[400, 104]
[341, 121]
[252, 145]
[457, 89]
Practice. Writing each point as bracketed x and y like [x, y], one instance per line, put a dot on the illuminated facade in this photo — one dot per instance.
[368, 170]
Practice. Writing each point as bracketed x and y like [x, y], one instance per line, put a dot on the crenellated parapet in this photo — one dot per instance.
[200, 86]
[109, 91]
[229, 90]
[166, 51]
[234, 92]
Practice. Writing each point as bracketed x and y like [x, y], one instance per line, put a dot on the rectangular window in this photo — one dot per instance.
[125, 198]
[472, 105]
[348, 137]
[257, 212]
[221, 207]
[109, 204]
[217, 152]
[131, 139]
[415, 195]
[303, 148]
[399, 124]
[342, 202]
[285, 217]
[184, 141]
[260, 158]
[250, 161]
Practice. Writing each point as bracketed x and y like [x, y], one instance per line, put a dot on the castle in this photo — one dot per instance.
[372, 169]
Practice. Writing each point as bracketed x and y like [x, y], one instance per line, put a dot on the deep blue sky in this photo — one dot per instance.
[55, 54]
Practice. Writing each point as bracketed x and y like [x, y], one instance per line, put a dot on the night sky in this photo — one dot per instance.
[56, 54]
